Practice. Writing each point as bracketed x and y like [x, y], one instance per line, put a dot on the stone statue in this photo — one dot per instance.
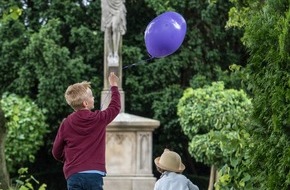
[114, 25]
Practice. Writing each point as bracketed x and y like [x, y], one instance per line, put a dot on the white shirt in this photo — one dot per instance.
[174, 181]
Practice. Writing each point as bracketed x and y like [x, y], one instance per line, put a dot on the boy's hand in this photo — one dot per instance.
[113, 79]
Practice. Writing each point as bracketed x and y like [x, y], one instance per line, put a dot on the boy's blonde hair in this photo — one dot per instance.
[76, 94]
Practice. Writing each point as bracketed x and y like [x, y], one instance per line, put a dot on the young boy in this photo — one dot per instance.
[80, 141]
[169, 164]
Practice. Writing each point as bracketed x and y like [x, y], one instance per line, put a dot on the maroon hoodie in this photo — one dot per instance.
[80, 141]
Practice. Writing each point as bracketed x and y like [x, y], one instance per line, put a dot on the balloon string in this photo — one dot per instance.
[138, 63]
[126, 67]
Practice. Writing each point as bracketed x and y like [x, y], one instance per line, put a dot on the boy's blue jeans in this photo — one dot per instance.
[85, 181]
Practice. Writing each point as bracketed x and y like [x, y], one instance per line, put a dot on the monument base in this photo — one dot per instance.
[129, 183]
[129, 153]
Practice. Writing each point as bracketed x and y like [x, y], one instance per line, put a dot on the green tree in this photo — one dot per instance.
[214, 119]
[48, 70]
[7, 14]
[267, 38]
[12, 43]
[4, 176]
[26, 129]
[51, 45]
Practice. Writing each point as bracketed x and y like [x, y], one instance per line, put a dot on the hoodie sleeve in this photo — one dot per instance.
[58, 146]
[114, 107]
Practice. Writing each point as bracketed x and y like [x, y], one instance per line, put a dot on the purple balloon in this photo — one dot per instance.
[165, 34]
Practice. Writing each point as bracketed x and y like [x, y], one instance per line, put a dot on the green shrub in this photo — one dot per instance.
[26, 128]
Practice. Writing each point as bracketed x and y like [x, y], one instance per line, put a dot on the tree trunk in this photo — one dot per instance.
[212, 178]
[4, 176]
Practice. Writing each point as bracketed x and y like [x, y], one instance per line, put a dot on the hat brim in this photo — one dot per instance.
[179, 170]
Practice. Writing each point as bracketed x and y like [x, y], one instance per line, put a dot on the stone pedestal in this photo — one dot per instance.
[129, 153]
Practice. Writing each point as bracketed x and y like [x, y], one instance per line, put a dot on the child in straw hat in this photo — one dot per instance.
[169, 164]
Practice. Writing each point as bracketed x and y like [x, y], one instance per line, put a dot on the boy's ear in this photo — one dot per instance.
[85, 104]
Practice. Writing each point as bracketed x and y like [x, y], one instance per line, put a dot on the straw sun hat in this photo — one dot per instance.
[170, 161]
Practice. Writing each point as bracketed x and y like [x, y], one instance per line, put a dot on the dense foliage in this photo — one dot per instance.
[26, 129]
[42, 53]
[265, 156]
[25, 181]
[214, 119]
[267, 38]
